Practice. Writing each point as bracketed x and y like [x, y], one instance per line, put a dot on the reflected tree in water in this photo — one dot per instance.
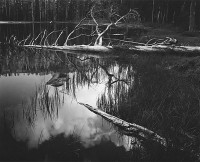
[138, 90]
[161, 101]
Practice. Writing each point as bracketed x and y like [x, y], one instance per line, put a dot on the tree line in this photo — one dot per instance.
[179, 12]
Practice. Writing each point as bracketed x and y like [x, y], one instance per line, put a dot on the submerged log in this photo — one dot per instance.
[129, 129]
[136, 49]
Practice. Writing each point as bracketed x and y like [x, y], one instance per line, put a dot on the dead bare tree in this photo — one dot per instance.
[93, 15]
[97, 44]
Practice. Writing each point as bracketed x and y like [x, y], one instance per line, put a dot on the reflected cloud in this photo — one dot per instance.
[71, 117]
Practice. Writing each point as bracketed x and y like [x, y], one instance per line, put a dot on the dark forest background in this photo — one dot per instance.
[182, 13]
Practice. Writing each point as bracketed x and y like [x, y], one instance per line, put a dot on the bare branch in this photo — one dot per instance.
[38, 36]
[24, 39]
[76, 27]
[119, 80]
[97, 25]
[131, 42]
[97, 42]
[44, 33]
[166, 41]
[51, 33]
[132, 12]
[99, 31]
[32, 41]
[82, 35]
[55, 43]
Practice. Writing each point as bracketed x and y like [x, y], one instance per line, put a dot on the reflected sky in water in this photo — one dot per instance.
[33, 126]
[40, 91]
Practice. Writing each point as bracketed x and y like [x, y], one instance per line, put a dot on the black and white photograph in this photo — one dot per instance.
[100, 80]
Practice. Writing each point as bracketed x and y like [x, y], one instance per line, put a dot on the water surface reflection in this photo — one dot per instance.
[33, 112]
[42, 120]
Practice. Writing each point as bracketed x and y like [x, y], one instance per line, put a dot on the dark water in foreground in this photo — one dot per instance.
[43, 121]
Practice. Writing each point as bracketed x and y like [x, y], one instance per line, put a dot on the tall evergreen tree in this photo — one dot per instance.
[192, 24]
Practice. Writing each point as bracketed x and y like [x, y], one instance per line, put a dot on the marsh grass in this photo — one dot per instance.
[154, 95]
[15, 60]
[161, 100]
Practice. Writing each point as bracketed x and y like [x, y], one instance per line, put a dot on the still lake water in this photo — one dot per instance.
[43, 121]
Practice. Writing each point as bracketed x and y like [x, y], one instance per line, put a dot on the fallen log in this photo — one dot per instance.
[154, 45]
[83, 48]
[136, 49]
[187, 50]
[129, 129]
